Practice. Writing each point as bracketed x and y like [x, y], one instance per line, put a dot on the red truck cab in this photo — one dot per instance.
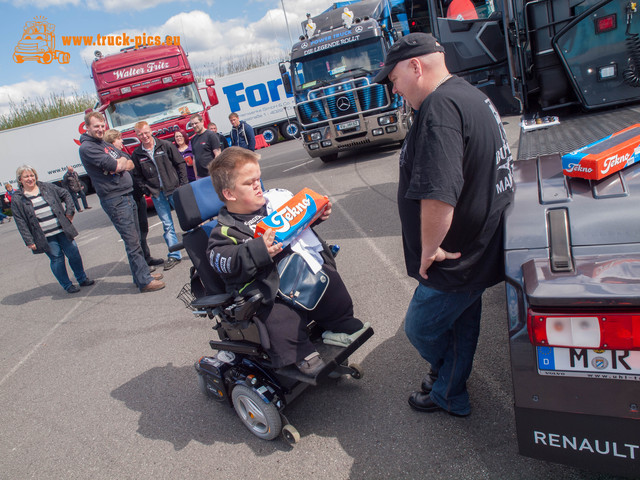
[155, 84]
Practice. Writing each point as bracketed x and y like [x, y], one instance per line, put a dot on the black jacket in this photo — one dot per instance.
[26, 219]
[243, 262]
[172, 169]
[100, 159]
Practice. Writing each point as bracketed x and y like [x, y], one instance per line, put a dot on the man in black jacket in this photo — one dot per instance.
[71, 182]
[108, 171]
[159, 170]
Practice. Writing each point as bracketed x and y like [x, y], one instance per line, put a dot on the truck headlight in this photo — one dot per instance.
[377, 131]
[387, 120]
[326, 143]
[313, 136]
[313, 146]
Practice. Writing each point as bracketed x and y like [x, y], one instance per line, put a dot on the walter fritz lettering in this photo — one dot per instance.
[140, 69]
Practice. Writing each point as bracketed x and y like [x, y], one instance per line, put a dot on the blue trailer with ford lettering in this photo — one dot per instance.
[258, 97]
[330, 73]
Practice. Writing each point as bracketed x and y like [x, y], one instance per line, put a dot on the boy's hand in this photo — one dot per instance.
[273, 248]
[326, 213]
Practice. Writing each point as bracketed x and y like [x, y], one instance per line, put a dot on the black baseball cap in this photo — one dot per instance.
[409, 46]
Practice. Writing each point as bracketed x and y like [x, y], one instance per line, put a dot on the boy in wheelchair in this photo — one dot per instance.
[248, 265]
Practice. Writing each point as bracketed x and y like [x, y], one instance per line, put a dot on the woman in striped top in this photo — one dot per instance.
[45, 225]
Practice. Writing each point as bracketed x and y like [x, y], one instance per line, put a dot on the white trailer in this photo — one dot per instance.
[258, 97]
[47, 146]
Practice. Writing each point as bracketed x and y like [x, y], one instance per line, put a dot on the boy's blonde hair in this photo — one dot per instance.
[112, 135]
[223, 168]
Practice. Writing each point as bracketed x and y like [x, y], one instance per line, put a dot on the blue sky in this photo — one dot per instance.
[209, 31]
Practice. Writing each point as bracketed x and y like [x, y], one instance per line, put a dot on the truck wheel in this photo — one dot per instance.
[329, 158]
[270, 135]
[290, 130]
[63, 57]
[47, 58]
[18, 58]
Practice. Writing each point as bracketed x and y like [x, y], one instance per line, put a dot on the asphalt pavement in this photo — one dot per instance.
[101, 384]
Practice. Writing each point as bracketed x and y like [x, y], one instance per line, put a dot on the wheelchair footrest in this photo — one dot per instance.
[332, 355]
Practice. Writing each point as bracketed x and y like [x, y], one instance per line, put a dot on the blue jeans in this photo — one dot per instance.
[123, 213]
[163, 206]
[444, 328]
[59, 246]
[74, 197]
[2, 216]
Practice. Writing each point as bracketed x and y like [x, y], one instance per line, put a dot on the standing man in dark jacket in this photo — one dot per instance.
[71, 182]
[205, 145]
[159, 169]
[109, 174]
[242, 134]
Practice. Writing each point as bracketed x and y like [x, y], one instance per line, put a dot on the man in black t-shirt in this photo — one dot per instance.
[221, 138]
[205, 146]
[456, 179]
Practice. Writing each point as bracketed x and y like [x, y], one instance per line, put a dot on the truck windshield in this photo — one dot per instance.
[155, 107]
[352, 60]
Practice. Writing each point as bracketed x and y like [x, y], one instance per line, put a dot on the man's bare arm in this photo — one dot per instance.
[435, 221]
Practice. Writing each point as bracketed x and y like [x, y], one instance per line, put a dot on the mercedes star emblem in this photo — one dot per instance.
[343, 104]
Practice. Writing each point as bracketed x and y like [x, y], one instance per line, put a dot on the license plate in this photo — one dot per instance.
[582, 362]
[348, 125]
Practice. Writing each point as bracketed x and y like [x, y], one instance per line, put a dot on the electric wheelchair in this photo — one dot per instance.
[241, 373]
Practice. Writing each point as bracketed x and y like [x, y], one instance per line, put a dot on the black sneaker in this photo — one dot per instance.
[87, 283]
[170, 263]
[154, 261]
[73, 289]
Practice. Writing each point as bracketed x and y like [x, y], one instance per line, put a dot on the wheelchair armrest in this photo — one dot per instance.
[243, 309]
[211, 301]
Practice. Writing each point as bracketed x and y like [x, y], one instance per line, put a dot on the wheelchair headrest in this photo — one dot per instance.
[196, 202]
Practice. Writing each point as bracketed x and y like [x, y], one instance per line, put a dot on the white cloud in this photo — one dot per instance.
[32, 90]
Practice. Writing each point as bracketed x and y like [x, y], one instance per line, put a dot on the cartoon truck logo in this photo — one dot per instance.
[39, 43]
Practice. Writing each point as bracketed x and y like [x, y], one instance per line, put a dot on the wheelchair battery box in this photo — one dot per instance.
[212, 371]
[604, 157]
[293, 217]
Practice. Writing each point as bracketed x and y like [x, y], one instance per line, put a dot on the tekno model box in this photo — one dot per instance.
[604, 157]
[293, 217]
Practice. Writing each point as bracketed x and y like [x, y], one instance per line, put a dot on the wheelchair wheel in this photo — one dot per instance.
[356, 371]
[262, 419]
[291, 434]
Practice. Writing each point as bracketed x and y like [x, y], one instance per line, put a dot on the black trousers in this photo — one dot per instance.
[143, 224]
[287, 326]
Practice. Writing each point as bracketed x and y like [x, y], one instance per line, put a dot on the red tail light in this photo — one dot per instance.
[608, 331]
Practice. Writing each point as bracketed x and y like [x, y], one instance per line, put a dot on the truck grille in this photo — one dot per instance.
[342, 100]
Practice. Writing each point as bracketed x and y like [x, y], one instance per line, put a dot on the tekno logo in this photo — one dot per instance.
[38, 43]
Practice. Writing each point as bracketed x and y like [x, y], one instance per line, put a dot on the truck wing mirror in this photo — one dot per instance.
[286, 83]
[212, 96]
[209, 82]
[283, 69]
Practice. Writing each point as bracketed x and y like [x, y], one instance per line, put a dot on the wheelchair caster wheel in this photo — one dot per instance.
[262, 419]
[356, 371]
[290, 434]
